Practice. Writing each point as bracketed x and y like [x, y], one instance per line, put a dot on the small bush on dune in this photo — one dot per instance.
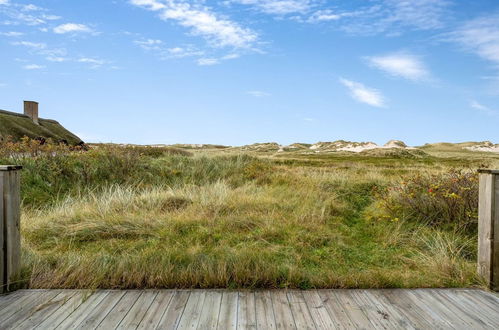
[448, 200]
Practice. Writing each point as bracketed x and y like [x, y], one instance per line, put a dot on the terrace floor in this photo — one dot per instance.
[274, 309]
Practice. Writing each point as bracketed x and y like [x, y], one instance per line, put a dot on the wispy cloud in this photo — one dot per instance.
[364, 94]
[202, 21]
[22, 14]
[164, 52]
[149, 44]
[325, 15]
[403, 65]
[257, 93]
[482, 108]
[207, 61]
[93, 62]
[33, 67]
[278, 7]
[394, 16]
[12, 34]
[480, 36]
[72, 28]
[30, 44]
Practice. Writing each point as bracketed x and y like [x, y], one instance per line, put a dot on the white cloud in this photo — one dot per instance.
[278, 7]
[324, 16]
[94, 62]
[207, 61]
[482, 108]
[401, 65]
[219, 31]
[394, 16]
[149, 44]
[11, 34]
[364, 94]
[24, 14]
[258, 93]
[56, 59]
[480, 36]
[72, 28]
[33, 67]
[32, 45]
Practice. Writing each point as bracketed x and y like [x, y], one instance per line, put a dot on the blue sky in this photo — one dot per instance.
[243, 71]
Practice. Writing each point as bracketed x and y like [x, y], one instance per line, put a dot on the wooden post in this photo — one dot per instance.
[488, 228]
[10, 219]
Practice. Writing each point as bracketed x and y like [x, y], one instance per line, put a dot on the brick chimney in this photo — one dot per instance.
[31, 110]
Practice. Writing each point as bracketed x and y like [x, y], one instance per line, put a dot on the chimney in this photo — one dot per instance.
[31, 110]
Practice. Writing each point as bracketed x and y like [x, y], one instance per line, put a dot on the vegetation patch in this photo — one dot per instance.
[126, 217]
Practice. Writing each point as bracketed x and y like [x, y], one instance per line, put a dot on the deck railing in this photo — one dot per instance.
[488, 228]
[10, 218]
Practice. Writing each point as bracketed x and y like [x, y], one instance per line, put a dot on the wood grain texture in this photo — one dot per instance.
[485, 228]
[274, 309]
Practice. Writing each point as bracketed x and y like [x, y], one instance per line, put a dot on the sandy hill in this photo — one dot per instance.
[16, 126]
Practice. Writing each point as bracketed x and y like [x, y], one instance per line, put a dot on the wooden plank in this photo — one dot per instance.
[455, 309]
[474, 311]
[318, 311]
[173, 314]
[14, 297]
[22, 311]
[3, 256]
[375, 312]
[12, 306]
[12, 225]
[64, 311]
[336, 311]
[442, 310]
[138, 310]
[495, 238]
[352, 309]
[89, 303]
[301, 314]
[192, 312]
[427, 311]
[485, 302]
[264, 310]
[227, 318]
[397, 318]
[45, 310]
[99, 313]
[485, 225]
[120, 310]
[158, 307]
[211, 310]
[282, 310]
[246, 312]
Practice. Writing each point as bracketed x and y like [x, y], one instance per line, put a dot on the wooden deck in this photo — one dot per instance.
[278, 309]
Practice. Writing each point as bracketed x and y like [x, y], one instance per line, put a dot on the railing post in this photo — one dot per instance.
[488, 228]
[10, 219]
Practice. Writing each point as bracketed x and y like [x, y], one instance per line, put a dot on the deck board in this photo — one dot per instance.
[274, 309]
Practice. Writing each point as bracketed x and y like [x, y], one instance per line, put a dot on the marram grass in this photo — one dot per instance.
[262, 224]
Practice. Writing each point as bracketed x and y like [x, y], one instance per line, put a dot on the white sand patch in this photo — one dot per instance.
[486, 147]
[360, 147]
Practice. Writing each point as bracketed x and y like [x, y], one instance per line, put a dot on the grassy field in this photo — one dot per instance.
[125, 217]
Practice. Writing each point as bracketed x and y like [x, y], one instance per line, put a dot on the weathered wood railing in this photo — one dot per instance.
[488, 228]
[10, 214]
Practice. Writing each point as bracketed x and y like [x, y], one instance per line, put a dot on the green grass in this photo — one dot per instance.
[17, 126]
[135, 218]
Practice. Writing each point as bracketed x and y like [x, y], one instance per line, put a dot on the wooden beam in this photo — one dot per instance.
[10, 221]
[488, 228]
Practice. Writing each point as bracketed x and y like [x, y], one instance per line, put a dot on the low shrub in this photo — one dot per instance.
[448, 199]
